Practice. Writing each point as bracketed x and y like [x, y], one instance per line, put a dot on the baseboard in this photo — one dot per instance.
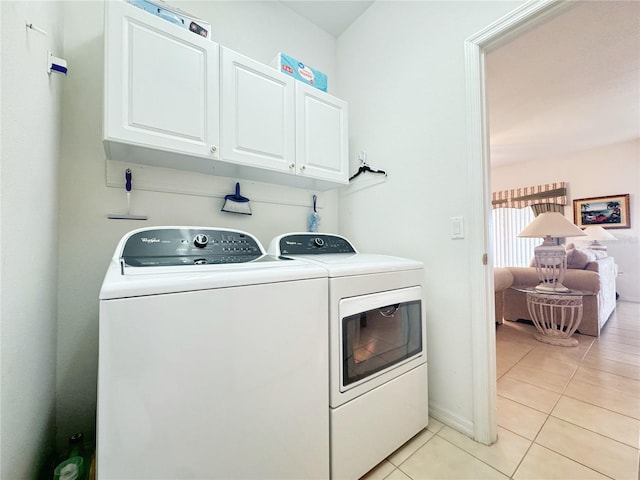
[628, 299]
[451, 419]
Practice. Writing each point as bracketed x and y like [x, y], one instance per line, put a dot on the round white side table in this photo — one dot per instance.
[556, 315]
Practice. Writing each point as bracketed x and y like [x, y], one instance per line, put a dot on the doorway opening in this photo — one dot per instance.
[482, 330]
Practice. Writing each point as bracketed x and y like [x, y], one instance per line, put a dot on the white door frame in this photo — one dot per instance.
[482, 300]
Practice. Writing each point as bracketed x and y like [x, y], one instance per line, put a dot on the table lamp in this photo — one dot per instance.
[596, 233]
[551, 259]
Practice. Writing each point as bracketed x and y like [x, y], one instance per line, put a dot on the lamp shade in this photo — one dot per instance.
[551, 224]
[595, 232]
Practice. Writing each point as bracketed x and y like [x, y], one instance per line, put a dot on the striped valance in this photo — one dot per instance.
[527, 196]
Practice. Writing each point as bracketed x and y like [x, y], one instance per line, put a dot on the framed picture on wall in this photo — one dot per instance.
[606, 212]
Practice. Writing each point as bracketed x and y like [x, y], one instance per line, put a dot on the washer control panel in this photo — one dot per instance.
[313, 243]
[189, 246]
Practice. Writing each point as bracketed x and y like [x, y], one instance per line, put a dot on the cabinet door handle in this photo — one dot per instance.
[302, 168]
[292, 166]
[214, 149]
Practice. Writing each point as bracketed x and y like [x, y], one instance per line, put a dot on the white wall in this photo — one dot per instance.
[610, 170]
[261, 29]
[87, 239]
[401, 67]
[30, 151]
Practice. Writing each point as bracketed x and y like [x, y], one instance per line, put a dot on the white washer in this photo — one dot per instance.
[212, 360]
[377, 348]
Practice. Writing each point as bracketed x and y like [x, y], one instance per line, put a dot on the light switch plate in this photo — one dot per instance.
[457, 227]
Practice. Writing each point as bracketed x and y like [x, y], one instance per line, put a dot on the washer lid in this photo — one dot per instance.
[162, 260]
[166, 280]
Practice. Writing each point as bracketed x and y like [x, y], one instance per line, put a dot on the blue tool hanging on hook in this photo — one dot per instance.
[314, 219]
[127, 186]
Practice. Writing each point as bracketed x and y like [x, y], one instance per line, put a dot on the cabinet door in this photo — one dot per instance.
[257, 120]
[321, 135]
[161, 84]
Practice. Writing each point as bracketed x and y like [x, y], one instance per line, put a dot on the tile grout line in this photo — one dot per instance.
[562, 394]
[397, 467]
[533, 441]
[593, 367]
[471, 454]
[548, 415]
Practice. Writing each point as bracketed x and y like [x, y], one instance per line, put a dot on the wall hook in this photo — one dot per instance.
[56, 64]
[31, 26]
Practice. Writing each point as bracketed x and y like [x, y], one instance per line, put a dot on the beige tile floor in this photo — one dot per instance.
[563, 413]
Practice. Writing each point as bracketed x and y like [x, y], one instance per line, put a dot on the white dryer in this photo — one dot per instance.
[377, 348]
[212, 360]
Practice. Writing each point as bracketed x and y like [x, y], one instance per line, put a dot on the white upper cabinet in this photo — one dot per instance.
[321, 135]
[258, 114]
[161, 85]
[175, 99]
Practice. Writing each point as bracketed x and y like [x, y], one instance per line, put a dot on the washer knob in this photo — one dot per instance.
[201, 240]
[318, 242]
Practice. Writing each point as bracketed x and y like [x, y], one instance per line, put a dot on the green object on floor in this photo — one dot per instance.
[70, 469]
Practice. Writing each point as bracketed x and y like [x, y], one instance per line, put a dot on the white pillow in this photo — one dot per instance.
[578, 257]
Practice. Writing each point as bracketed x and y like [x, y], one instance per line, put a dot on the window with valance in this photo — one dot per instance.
[551, 197]
[510, 216]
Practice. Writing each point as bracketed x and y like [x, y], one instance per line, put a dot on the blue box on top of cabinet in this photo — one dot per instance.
[175, 16]
[302, 72]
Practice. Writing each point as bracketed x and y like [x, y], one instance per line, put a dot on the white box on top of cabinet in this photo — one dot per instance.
[176, 100]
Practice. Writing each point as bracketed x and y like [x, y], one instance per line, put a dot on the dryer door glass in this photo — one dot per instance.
[378, 338]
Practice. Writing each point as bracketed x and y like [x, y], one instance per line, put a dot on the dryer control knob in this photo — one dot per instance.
[201, 240]
[318, 242]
